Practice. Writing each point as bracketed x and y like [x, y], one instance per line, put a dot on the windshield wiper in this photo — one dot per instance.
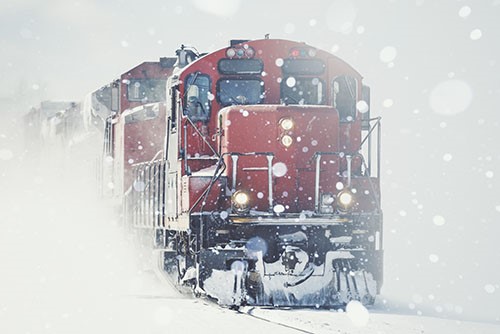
[350, 88]
[234, 99]
[289, 97]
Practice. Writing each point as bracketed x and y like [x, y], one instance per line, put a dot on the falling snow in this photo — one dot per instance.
[450, 97]
[388, 54]
[476, 34]
[447, 157]
[357, 313]
[388, 103]
[489, 288]
[433, 258]
[278, 208]
[464, 11]
[438, 220]
[279, 169]
[139, 186]
[362, 106]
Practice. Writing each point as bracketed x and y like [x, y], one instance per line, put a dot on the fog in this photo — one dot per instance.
[433, 70]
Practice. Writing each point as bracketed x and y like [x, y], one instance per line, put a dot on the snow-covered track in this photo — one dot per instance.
[250, 312]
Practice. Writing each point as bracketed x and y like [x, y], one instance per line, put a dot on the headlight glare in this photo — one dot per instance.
[240, 201]
[345, 199]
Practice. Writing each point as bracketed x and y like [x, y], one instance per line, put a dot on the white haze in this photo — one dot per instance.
[433, 71]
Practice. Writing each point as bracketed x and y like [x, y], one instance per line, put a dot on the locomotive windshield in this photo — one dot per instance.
[303, 67]
[197, 102]
[302, 91]
[240, 66]
[237, 91]
[146, 90]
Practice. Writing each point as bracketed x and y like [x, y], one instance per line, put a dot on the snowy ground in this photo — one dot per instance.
[67, 268]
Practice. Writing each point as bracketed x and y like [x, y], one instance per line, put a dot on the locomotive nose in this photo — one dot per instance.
[276, 165]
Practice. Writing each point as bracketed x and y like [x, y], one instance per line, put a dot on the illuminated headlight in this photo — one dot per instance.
[345, 199]
[286, 124]
[240, 201]
[326, 203]
[286, 140]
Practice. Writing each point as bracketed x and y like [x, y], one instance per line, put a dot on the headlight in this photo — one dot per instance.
[286, 124]
[345, 199]
[240, 201]
[286, 140]
[230, 53]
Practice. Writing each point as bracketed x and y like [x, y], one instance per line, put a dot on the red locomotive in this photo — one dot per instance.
[119, 108]
[265, 190]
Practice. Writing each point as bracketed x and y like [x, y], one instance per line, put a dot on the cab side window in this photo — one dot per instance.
[344, 97]
[197, 97]
[146, 90]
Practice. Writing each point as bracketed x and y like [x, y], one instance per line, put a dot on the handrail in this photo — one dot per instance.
[215, 177]
[378, 119]
[317, 156]
[186, 166]
[140, 170]
[156, 155]
[377, 200]
[202, 136]
[270, 157]
[378, 126]
[152, 161]
[221, 163]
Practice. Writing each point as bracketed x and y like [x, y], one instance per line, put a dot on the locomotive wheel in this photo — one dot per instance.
[255, 287]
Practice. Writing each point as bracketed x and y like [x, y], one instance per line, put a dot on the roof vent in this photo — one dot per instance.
[186, 55]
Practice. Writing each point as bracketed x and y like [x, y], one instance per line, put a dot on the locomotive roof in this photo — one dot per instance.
[164, 63]
[270, 41]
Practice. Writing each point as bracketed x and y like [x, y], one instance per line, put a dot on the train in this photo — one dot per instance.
[53, 123]
[252, 171]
